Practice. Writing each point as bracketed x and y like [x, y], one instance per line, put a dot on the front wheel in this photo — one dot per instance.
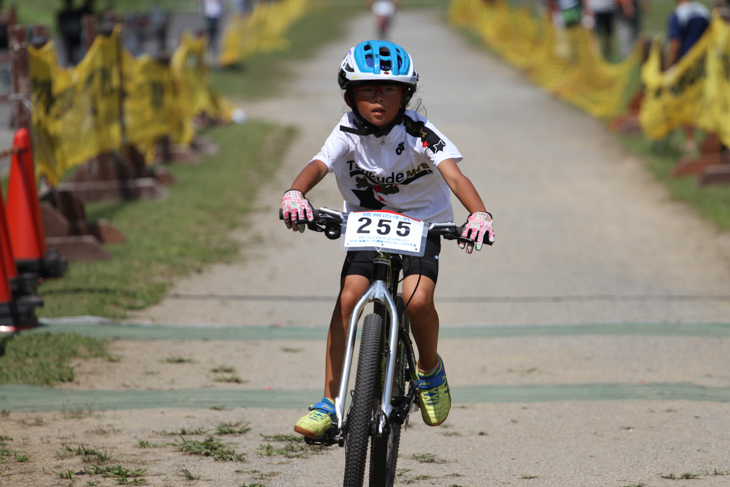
[384, 451]
[364, 401]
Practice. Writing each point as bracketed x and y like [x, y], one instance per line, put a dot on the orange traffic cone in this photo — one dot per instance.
[23, 284]
[24, 215]
[7, 323]
[16, 313]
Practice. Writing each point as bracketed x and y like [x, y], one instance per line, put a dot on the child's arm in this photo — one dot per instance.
[461, 186]
[312, 174]
[294, 205]
[479, 223]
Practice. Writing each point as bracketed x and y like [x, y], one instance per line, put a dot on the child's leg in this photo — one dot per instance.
[318, 421]
[424, 319]
[351, 289]
[433, 388]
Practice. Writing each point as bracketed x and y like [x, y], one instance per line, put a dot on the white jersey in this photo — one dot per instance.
[384, 8]
[396, 172]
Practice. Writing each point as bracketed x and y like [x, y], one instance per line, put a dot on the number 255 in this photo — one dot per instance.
[383, 228]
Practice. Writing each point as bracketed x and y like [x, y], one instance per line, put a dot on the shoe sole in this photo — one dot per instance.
[306, 433]
[434, 424]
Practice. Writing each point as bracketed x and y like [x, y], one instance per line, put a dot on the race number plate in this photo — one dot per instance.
[385, 231]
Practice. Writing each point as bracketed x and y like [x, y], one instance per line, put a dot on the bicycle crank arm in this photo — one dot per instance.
[331, 437]
[403, 406]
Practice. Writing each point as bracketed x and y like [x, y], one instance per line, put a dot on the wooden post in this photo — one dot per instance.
[20, 108]
[41, 33]
[711, 154]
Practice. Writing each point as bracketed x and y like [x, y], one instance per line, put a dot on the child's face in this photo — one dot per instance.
[379, 104]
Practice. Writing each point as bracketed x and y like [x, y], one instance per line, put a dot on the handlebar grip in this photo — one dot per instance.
[314, 212]
[459, 238]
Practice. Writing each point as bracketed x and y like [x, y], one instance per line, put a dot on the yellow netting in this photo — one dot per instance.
[78, 113]
[564, 61]
[695, 91]
[261, 31]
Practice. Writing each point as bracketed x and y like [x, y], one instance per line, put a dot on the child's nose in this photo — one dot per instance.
[378, 91]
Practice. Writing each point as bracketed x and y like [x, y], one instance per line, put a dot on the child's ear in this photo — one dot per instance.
[347, 99]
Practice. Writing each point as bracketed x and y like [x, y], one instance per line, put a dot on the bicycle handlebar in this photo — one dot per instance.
[330, 222]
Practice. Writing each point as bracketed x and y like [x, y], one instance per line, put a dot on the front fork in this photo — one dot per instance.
[379, 292]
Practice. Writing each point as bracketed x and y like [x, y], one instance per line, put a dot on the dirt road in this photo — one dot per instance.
[587, 347]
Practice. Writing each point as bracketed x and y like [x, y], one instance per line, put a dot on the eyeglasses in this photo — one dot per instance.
[368, 91]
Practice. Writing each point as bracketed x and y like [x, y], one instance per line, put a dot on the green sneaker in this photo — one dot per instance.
[318, 421]
[434, 396]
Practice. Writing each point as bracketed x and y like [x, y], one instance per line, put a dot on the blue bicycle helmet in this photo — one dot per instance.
[377, 61]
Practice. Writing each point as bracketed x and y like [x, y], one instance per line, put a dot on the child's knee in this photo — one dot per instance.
[420, 304]
[349, 295]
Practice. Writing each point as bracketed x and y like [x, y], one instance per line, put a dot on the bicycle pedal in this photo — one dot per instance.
[330, 438]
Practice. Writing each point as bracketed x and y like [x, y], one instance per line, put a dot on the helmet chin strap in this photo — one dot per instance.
[367, 128]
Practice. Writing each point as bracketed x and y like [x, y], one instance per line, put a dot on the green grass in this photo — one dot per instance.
[233, 428]
[183, 431]
[43, 12]
[288, 446]
[118, 472]
[87, 454]
[44, 358]
[187, 474]
[210, 447]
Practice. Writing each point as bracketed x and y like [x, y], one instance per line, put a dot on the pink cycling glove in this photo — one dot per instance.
[296, 207]
[478, 224]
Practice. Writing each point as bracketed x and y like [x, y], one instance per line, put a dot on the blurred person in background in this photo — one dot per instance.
[570, 12]
[68, 23]
[685, 26]
[383, 11]
[603, 14]
[159, 21]
[212, 11]
[628, 24]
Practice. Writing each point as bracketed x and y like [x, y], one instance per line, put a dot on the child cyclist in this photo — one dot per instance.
[387, 157]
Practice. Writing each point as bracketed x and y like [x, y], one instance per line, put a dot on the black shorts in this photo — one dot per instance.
[360, 262]
[604, 23]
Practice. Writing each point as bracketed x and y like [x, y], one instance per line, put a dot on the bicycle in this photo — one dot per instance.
[385, 383]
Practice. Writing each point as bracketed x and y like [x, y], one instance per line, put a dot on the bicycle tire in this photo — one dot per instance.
[384, 449]
[364, 401]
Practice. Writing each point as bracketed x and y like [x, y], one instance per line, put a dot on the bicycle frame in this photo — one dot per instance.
[378, 291]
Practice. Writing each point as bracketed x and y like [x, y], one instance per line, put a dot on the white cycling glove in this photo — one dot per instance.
[296, 207]
[477, 226]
